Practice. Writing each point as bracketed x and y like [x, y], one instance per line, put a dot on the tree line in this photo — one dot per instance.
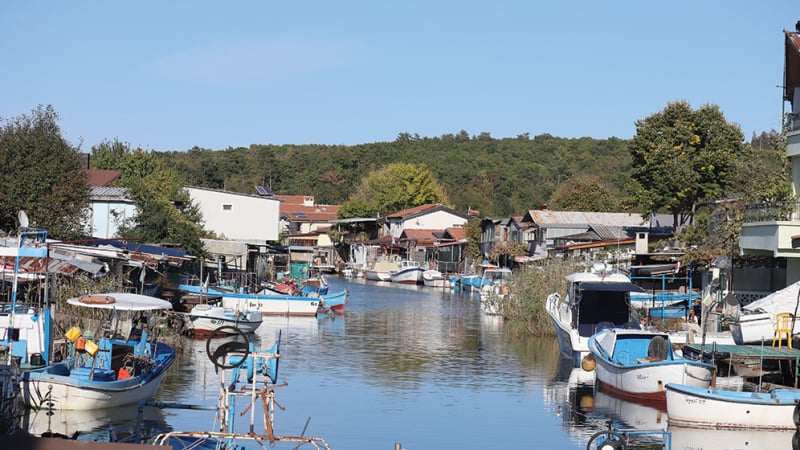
[679, 160]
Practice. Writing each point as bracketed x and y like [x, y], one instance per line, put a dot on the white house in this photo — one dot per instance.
[238, 217]
[424, 217]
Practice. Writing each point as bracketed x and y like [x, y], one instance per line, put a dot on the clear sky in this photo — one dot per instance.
[171, 75]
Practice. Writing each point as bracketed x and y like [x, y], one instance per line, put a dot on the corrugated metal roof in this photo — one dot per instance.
[547, 218]
[607, 233]
[109, 192]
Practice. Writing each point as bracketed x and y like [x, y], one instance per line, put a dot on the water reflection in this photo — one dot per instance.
[584, 410]
[702, 439]
[97, 424]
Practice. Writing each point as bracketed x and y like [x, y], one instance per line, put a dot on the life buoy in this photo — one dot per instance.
[97, 299]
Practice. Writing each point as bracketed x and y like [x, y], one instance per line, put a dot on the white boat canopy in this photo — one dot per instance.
[120, 301]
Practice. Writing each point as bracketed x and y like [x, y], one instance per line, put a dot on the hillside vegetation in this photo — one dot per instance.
[499, 177]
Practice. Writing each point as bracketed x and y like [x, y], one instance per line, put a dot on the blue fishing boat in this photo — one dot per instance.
[120, 365]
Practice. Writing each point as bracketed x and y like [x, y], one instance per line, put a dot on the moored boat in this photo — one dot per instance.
[599, 296]
[637, 364]
[283, 305]
[756, 320]
[691, 406]
[334, 302]
[408, 272]
[380, 271]
[434, 278]
[205, 318]
[119, 366]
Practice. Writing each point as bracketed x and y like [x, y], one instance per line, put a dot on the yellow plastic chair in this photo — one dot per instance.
[783, 325]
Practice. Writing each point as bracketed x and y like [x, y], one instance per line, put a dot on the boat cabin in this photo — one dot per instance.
[601, 304]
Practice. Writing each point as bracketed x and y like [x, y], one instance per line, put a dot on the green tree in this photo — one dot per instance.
[683, 156]
[43, 176]
[165, 212]
[395, 187]
[584, 193]
[763, 179]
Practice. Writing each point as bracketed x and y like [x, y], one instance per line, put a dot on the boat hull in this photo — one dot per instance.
[284, 305]
[335, 302]
[637, 365]
[721, 409]
[377, 275]
[434, 278]
[407, 276]
[57, 387]
[67, 395]
[205, 326]
[752, 328]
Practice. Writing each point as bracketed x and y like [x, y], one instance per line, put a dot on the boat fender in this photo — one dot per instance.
[588, 363]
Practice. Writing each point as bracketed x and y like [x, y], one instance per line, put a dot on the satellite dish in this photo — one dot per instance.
[23, 219]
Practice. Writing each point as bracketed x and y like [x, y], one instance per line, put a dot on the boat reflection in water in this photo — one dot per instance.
[570, 395]
[585, 409]
[707, 439]
[95, 424]
[628, 414]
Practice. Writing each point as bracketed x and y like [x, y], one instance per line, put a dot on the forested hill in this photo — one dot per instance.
[499, 177]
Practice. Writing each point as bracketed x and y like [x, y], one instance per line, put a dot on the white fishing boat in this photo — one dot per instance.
[277, 304]
[205, 318]
[434, 278]
[380, 271]
[408, 272]
[637, 364]
[690, 406]
[599, 297]
[119, 366]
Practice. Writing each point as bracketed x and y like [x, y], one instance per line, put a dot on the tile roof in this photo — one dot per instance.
[457, 233]
[295, 199]
[420, 236]
[300, 213]
[102, 177]
[414, 210]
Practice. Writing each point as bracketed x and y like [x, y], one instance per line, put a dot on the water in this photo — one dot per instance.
[415, 366]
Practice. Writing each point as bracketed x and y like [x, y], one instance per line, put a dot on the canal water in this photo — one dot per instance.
[414, 366]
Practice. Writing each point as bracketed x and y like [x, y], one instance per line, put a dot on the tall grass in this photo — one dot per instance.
[524, 310]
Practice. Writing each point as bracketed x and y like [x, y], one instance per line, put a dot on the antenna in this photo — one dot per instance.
[23, 219]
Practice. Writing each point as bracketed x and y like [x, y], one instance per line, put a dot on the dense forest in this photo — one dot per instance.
[499, 177]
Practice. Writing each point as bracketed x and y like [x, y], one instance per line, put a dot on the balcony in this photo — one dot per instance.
[768, 230]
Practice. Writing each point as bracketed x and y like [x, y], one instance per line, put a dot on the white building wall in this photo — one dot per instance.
[437, 220]
[238, 217]
[107, 217]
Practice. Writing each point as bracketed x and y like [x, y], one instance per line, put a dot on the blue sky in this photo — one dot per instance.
[174, 75]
